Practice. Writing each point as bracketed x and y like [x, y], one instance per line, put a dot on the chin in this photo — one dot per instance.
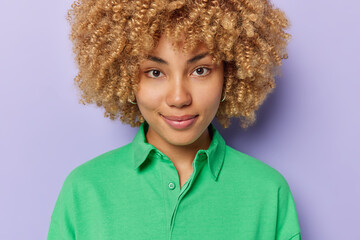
[181, 143]
[182, 138]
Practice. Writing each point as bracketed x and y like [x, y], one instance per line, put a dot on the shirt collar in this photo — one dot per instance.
[215, 153]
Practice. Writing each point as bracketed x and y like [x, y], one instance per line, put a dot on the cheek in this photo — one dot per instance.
[148, 98]
[209, 96]
[210, 93]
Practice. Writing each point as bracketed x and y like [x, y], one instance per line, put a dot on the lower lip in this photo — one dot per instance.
[180, 124]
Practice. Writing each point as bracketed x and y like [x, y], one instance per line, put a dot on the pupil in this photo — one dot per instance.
[156, 73]
[199, 70]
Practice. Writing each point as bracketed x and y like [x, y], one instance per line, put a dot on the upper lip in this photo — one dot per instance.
[179, 118]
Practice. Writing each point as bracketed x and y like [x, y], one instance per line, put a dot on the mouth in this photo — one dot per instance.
[180, 122]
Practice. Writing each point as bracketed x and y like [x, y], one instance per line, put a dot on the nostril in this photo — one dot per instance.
[179, 98]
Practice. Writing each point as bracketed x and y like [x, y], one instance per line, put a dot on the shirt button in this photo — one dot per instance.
[171, 185]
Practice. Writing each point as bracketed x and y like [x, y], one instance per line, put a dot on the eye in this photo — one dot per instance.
[202, 71]
[154, 73]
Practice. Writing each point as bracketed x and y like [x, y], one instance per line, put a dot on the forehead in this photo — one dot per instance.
[166, 45]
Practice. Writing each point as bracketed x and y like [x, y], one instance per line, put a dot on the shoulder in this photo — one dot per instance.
[105, 165]
[252, 170]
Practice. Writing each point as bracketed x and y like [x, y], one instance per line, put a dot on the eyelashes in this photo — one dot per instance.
[199, 72]
[156, 72]
[207, 71]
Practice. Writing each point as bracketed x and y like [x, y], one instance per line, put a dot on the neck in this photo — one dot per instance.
[182, 156]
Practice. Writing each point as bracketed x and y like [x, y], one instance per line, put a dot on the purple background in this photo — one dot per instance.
[308, 129]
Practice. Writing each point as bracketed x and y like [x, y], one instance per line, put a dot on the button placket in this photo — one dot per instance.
[171, 185]
[197, 164]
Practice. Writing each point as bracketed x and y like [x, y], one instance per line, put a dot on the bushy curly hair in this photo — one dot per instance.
[111, 37]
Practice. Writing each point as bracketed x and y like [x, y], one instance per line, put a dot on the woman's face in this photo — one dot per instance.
[179, 94]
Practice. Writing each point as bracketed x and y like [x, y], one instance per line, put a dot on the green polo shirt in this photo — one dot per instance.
[133, 192]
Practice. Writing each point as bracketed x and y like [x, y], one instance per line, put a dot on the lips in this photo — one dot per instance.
[180, 118]
[180, 122]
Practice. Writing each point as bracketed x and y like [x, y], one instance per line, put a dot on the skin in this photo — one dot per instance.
[178, 88]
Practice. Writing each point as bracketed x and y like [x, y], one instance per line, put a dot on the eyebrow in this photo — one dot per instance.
[192, 60]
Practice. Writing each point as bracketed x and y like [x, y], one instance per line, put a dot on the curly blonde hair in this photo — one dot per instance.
[111, 37]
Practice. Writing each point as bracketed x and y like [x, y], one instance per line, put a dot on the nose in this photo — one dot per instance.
[178, 94]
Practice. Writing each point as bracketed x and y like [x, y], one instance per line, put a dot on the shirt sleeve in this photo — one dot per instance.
[287, 220]
[296, 237]
[62, 219]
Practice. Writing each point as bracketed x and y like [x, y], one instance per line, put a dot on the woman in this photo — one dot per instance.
[170, 67]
